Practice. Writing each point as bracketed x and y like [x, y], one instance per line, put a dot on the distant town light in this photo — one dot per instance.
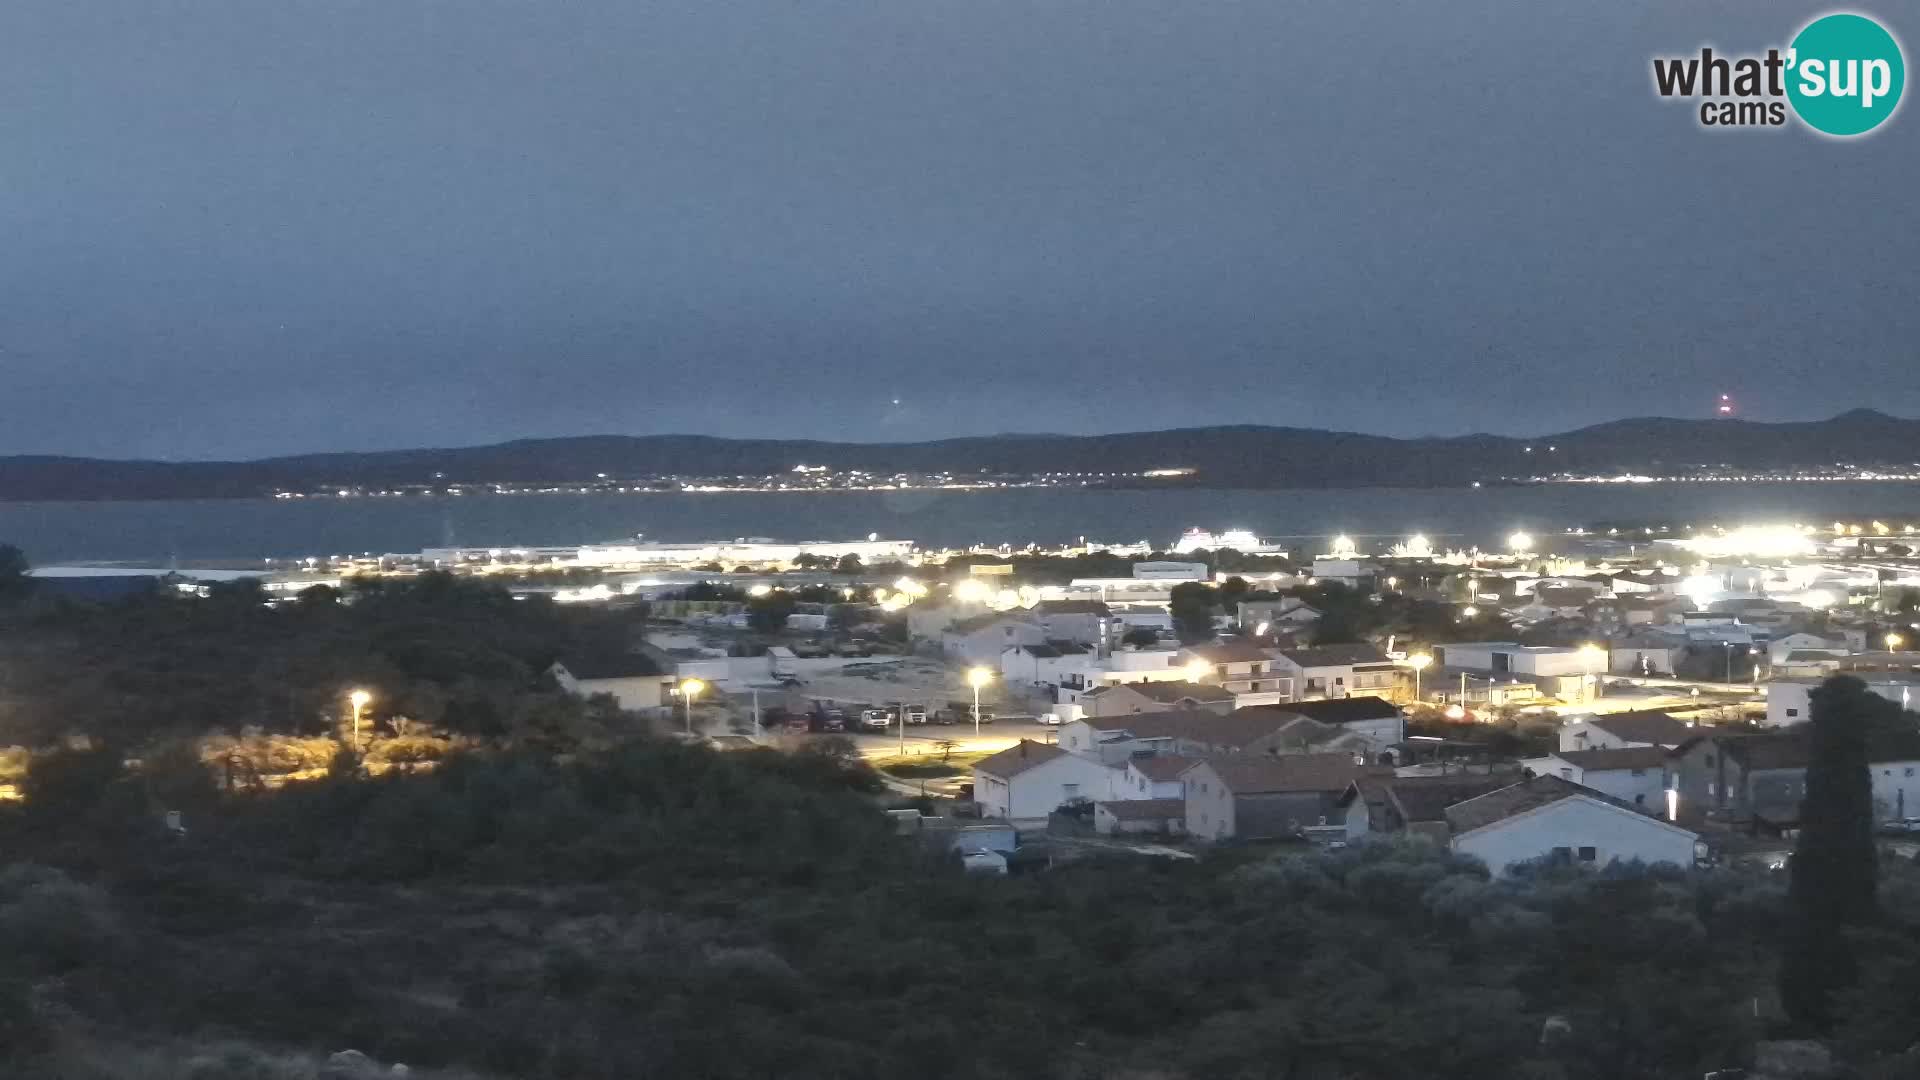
[1519, 543]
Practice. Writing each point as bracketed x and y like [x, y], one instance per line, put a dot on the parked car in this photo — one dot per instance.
[916, 714]
[876, 719]
[832, 719]
[1016, 718]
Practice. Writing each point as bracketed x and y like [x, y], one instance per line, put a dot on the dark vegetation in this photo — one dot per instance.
[1244, 456]
[562, 897]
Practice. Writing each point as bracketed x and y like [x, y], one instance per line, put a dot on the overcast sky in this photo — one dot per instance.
[264, 226]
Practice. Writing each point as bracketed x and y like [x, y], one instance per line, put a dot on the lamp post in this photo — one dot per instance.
[1893, 641]
[1596, 658]
[977, 677]
[689, 690]
[1418, 662]
[358, 699]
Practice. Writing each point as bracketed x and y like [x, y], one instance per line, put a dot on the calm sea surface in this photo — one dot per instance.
[224, 529]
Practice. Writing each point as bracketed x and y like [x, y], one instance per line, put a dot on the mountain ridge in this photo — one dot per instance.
[1223, 456]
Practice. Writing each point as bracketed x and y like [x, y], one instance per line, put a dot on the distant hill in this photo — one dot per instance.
[1220, 457]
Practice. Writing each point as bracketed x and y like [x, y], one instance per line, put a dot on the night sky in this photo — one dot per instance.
[266, 226]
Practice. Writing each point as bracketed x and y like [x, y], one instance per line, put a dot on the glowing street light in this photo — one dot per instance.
[1596, 659]
[1893, 641]
[1261, 630]
[1418, 662]
[978, 677]
[1519, 543]
[358, 699]
[689, 690]
[1469, 612]
[1198, 669]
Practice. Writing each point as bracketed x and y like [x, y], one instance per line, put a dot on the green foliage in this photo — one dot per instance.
[14, 582]
[1192, 606]
[1834, 864]
[1141, 637]
[768, 613]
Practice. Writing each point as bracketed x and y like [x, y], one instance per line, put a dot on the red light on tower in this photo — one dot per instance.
[1726, 405]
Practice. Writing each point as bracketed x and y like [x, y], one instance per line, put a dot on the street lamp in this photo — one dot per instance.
[1596, 658]
[1418, 662]
[978, 677]
[358, 699]
[1197, 670]
[689, 690]
[1893, 641]
[1469, 612]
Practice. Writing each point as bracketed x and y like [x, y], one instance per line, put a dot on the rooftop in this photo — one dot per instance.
[1015, 760]
[1230, 651]
[1336, 655]
[1162, 767]
[1211, 729]
[1145, 809]
[1166, 691]
[1071, 607]
[609, 665]
[1344, 710]
[1632, 757]
[1516, 799]
[1643, 726]
[1259, 774]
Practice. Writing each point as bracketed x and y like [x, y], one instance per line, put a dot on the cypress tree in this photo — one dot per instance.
[1834, 872]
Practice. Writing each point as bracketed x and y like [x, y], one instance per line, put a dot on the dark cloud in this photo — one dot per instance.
[234, 228]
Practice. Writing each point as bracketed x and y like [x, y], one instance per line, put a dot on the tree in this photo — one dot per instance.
[1141, 637]
[1191, 604]
[14, 582]
[768, 614]
[1232, 591]
[849, 564]
[1834, 870]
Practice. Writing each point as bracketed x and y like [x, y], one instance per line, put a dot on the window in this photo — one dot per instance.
[1793, 712]
[1639, 800]
[1070, 790]
[1709, 787]
[1588, 854]
[1639, 772]
[1909, 770]
[1566, 774]
[1709, 761]
[1203, 787]
[1563, 853]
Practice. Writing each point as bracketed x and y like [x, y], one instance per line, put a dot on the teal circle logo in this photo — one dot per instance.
[1845, 74]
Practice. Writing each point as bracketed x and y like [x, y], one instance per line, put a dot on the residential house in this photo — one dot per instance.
[1050, 663]
[1123, 699]
[1083, 622]
[1415, 805]
[1377, 719]
[982, 638]
[1335, 671]
[1759, 778]
[1556, 603]
[634, 679]
[1236, 664]
[1813, 664]
[1646, 653]
[1115, 739]
[1027, 782]
[1636, 774]
[1547, 816]
[1616, 731]
[1153, 776]
[1133, 817]
[1254, 797]
[1282, 612]
[1788, 700]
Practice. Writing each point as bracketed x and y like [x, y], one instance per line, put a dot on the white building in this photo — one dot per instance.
[1051, 663]
[1025, 783]
[1550, 817]
[1780, 648]
[1336, 671]
[981, 639]
[1788, 702]
[1635, 775]
[1618, 731]
[635, 681]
